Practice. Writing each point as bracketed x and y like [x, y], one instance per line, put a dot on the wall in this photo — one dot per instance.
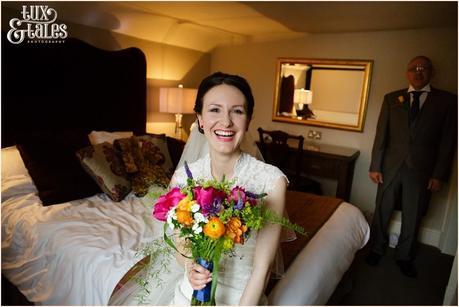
[391, 51]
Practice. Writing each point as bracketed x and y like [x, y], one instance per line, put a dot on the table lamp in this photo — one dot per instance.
[178, 101]
[302, 98]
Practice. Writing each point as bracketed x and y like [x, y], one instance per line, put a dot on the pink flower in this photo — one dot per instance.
[166, 202]
[209, 199]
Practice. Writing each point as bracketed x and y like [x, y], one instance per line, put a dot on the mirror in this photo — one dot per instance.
[318, 92]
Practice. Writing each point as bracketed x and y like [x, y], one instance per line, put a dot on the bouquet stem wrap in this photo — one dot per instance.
[203, 297]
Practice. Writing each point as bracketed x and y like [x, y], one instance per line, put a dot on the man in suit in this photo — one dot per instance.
[412, 155]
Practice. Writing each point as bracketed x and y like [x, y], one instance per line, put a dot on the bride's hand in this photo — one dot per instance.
[198, 276]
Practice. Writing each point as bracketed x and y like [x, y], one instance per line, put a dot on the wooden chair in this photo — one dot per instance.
[276, 151]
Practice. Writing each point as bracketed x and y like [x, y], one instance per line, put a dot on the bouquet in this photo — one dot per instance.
[212, 217]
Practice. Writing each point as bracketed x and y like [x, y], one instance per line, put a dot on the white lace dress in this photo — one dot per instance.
[255, 176]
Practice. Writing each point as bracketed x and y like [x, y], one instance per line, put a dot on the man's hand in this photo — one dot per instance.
[376, 177]
[434, 185]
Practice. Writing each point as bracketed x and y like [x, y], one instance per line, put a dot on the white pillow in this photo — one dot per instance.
[97, 137]
[12, 164]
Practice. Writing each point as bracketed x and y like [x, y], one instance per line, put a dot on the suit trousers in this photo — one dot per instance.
[409, 189]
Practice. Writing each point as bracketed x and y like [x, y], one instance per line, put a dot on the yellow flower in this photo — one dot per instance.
[214, 229]
[401, 99]
[228, 243]
[185, 204]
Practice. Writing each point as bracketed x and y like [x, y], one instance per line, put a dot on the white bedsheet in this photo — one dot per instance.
[75, 253]
[72, 253]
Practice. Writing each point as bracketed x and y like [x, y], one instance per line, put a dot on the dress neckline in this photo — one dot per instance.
[236, 168]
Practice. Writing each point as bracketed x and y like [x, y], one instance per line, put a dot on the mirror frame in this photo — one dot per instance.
[367, 68]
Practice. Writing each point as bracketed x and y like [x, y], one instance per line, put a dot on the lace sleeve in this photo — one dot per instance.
[275, 174]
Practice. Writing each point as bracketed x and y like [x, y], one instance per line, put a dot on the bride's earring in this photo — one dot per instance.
[200, 126]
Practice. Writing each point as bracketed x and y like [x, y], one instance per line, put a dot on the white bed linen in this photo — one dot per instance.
[75, 253]
[318, 268]
[72, 253]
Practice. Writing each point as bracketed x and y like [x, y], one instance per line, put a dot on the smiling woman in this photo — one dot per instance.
[224, 106]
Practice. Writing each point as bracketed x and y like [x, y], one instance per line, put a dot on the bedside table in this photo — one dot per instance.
[331, 162]
[327, 161]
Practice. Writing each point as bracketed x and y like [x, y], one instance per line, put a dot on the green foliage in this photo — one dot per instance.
[253, 217]
[281, 220]
[160, 257]
[227, 214]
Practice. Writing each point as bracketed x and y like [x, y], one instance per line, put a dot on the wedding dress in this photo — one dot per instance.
[249, 172]
[255, 176]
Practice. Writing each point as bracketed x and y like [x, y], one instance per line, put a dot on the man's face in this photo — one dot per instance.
[419, 73]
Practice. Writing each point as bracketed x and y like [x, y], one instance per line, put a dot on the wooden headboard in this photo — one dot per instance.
[71, 86]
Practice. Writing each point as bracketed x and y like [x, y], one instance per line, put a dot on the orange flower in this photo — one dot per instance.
[184, 217]
[235, 230]
[214, 229]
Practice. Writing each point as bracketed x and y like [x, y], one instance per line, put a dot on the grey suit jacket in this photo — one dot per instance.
[427, 145]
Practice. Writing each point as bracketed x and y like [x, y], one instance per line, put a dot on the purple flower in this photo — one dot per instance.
[188, 172]
[252, 197]
[239, 205]
[255, 196]
[209, 199]
[214, 208]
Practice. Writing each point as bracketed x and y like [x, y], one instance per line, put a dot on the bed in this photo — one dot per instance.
[65, 241]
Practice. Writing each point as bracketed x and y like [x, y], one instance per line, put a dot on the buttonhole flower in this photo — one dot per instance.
[401, 99]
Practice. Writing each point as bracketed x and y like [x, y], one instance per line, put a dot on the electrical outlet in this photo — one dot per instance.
[312, 134]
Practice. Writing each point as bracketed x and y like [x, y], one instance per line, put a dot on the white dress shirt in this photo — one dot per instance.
[422, 98]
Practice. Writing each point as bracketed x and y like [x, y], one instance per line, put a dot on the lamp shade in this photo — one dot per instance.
[177, 100]
[302, 96]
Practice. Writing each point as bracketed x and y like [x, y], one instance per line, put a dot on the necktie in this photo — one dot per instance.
[414, 110]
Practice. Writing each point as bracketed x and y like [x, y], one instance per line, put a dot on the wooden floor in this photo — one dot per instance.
[385, 284]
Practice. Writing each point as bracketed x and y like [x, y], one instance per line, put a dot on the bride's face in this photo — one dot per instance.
[224, 118]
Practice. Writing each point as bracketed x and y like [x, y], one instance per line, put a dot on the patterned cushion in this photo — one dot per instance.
[104, 165]
[144, 161]
[154, 149]
[130, 154]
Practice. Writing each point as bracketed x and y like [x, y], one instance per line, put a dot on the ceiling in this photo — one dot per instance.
[205, 25]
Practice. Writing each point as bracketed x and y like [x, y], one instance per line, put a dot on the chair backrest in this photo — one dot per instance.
[276, 151]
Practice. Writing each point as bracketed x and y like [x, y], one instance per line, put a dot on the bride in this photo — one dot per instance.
[224, 107]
